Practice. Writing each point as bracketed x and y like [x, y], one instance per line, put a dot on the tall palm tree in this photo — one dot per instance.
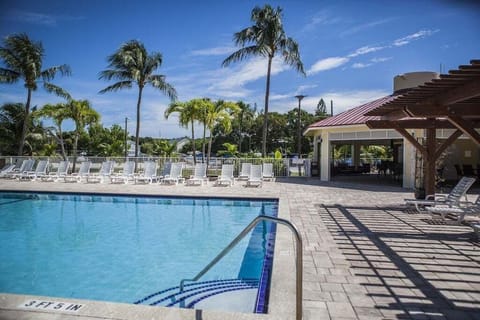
[188, 113]
[22, 59]
[245, 114]
[220, 113]
[131, 64]
[58, 113]
[11, 124]
[82, 115]
[266, 38]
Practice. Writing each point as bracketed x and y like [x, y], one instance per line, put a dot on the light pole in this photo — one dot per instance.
[126, 132]
[299, 133]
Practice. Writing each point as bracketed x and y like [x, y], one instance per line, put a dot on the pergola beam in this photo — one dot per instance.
[466, 127]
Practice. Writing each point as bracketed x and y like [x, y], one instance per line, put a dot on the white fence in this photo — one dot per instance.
[282, 167]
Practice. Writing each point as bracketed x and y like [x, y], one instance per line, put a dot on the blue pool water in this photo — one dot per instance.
[122, 248]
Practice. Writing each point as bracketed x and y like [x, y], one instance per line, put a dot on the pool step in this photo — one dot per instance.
[196, 292]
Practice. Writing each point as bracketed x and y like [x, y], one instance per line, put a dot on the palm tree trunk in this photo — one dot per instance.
[137, 131]
[193, 146]
[203, 142]
[75, 146]
[62, 144]
[209, 147]
[25, 123]
[265, 116]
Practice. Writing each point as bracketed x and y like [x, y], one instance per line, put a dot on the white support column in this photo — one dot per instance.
[325, 158]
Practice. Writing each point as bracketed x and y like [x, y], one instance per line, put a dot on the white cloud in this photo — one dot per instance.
[216, 51]
[382, 59]
[327, 64]
[359, 65]
[335, 62]
[412, 37]
[323, 17]
[364, 26]
[39, 18]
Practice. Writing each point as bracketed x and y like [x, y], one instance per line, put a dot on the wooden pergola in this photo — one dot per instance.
[452, 101]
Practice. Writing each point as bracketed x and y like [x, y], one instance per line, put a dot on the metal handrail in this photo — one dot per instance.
[241, 235]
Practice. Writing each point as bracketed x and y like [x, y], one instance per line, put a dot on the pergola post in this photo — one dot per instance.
[430, 163]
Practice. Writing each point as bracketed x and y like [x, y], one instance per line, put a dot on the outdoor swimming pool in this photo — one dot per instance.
[133, 249]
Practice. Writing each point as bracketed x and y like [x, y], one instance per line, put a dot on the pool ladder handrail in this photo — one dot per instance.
[242, 234]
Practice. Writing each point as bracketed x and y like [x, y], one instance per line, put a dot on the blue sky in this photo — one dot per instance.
[351, 50]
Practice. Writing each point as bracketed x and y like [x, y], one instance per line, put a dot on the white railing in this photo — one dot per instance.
[285, 167]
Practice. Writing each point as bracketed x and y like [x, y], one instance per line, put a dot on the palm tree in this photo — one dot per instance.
[11, 124]
[131, 64]
[82, 115]
[188, 113]
[22, 58]
[220, 113]
[266, 38]
[245, 114]
[58, 113]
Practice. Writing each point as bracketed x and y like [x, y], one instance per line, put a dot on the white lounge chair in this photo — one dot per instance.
[460, 211]
[199, 176]
[83, 172]
[62, 171]
[268, 174]
[26, 166]
[126, 174]
[8, 168]
[245, 171]
[165, 171]
[40, 171]
[105, 172]
[226, 176]
[451, 199]
[175, 175]
[149, 173]
[256, 177]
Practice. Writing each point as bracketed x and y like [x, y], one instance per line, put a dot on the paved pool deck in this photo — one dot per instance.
[365, 256]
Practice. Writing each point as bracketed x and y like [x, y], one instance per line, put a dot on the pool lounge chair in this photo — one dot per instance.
[268, 174]
[451, 199]
[83, 172]
[125, 175]
[26, 166]
[255, 179]
[245, 171]
[199, 176]
[175, 175]
[61, 172]
[105, 172]
[149, 173]
[8, 168]
[40, 171]
[460, 211]
[226, 176]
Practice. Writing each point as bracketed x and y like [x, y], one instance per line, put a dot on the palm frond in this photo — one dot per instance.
[242, 54]
[117, 86]
[158, 82]
[51, 88]
[8, 76]
[49, 74]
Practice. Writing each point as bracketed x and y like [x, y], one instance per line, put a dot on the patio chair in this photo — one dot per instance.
[199, 176]
[26, 166]
[255, 179]
[175, 175]
[461, 210]
[125, 175]
[245, 171]
[83, 172]
[105, 172]
[61, 172]
[451, 199]
[40, 170]
[149, 173]
[226, 176]
[8, 168]
[165, 171]
[268, 174]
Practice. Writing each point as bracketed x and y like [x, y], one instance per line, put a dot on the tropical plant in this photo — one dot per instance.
[265, 38]
[58, 113]
[11, 124]
[245, 118]
[231, 150]
[220, 114]
[23, 59]
[131, 64]
[188, 113]
[82, 115]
